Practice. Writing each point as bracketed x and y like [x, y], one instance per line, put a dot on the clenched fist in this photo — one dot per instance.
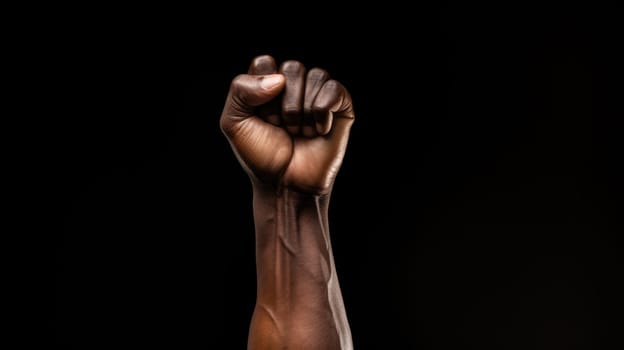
[288, 127]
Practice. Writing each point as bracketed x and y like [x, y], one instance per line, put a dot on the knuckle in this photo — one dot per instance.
[262, 59]
[332, 85]
[264, 64]
[317, 74]
[292, 67]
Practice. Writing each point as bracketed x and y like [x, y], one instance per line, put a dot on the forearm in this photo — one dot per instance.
[299, 303]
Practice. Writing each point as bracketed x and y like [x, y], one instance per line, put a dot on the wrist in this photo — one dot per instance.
[271, 194]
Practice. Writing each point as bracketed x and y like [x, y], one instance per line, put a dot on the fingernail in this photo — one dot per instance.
[271, 81]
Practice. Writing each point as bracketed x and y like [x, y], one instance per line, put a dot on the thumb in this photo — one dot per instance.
[249, 91]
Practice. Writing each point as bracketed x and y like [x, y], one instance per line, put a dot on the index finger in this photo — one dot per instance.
[262, 65]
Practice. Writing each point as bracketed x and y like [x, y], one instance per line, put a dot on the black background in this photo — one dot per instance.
[478, 205]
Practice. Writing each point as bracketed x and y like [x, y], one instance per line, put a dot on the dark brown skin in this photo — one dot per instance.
[289, 130]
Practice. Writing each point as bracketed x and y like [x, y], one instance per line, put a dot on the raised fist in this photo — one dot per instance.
[289, 128]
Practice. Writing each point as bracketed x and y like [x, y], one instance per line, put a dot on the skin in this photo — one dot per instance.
[289, 128]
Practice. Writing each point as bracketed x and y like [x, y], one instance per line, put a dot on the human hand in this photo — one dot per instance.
[296, 140]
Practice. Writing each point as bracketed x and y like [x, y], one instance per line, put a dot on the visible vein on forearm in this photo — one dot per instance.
[287, 227]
